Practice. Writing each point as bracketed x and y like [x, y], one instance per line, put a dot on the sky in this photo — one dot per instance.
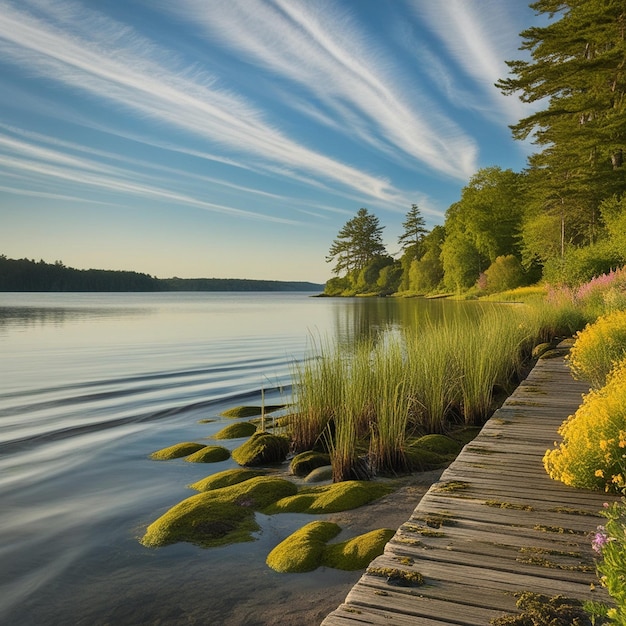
[235, 138]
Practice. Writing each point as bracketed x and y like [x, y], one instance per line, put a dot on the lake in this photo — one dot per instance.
[94, 383]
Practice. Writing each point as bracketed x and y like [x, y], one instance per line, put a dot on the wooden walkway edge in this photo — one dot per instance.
[493, 526]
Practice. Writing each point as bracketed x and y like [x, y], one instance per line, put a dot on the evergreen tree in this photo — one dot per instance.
[414, 231]
[357, 244]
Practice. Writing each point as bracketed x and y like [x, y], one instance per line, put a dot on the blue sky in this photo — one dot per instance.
[234, 138]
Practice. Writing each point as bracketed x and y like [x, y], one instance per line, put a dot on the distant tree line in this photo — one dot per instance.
[563, 218]
[30, 275]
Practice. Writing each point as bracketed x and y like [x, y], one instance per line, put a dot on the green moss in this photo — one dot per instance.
[453, 485]
[540, 610]
[235, 431]
[250, 411]
[422, 460]
[396, 576]
[439, 444]
[209, 454]
[498, 504]
[176, 451]
[343, 496]
[225, 479]
[357, 553]
[302, 551]
[304, 463]
[218, 517]
[262, 449]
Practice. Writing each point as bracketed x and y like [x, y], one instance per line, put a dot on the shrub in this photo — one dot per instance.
[592, 454]
[598, 347]
[506, 272]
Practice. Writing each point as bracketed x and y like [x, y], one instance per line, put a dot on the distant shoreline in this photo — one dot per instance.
[24, 275]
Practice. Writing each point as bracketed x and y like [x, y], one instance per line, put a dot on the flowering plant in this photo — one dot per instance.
[610, 543]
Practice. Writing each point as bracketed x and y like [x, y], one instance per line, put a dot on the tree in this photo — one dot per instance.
[461, 262]
[577, 68]
[357, 244]
[414, 231]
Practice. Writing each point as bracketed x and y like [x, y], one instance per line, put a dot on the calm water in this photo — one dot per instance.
[91, 385]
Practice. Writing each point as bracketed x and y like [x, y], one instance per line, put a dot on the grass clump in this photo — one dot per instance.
[235, 431]
[333, 498]
[209, 454]
[540, 610]
[262, 449]
[218, 517]
[304, 463]
[303, 550]
[357, 553]
[177, 451]
[225, 479]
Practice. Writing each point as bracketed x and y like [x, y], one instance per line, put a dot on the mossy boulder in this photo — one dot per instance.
[357, 553]
[304, 463]
[465, 435]
[439, 444]
[262, 449]
[235, 431]
[225, 479]
[343, 496]
[218, 517]
[320, 475]
[423, 460]
[177, 451]
[302, 551]
[250, 411]
[209, 454]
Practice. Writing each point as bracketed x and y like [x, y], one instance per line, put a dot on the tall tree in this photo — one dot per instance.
[414, 231]
[358, 243]
[578, 68]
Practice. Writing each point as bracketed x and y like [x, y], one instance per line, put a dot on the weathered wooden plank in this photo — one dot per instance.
[483, 554]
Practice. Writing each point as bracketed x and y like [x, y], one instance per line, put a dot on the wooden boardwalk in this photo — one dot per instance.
[494, 525]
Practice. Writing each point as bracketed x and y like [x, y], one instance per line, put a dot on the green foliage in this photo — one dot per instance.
[462, 262]
[234, 431]
[591, 454]
[504, 273]
[358, 242]
[439, 444]
[217, 517]
[262, 449]
[414, 231]
[177, 451]
[610, 543]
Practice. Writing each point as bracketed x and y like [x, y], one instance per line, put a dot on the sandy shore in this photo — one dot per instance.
[305, 601]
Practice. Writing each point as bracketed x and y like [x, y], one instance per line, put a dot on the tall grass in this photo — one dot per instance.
[363, 402]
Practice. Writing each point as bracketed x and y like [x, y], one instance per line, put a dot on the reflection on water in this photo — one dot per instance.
[92, 384]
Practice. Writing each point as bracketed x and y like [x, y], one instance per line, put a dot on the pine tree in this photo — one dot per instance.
[414, 231]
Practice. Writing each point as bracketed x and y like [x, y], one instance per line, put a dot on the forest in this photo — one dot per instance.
[561, 220]
[29, 275]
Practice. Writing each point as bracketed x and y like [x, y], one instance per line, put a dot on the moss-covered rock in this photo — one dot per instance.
[343, 496]
[177, 451]
[218, 517]
[320, 475]
[225, 479]
[262, 449]
[439, 444]
[465, 435]
[357, 553]
[423, 460]
[250, 411]
[302, 551]
[235, 431]
[304, 463]
[209, 454]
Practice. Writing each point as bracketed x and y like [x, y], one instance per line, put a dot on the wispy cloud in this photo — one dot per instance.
[90, 53]
[322, 50]
[479, 35]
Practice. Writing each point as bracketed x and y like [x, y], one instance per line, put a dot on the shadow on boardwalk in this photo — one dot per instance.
[494, 525]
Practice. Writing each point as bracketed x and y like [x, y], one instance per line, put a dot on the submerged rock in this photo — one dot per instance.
[235, 431]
